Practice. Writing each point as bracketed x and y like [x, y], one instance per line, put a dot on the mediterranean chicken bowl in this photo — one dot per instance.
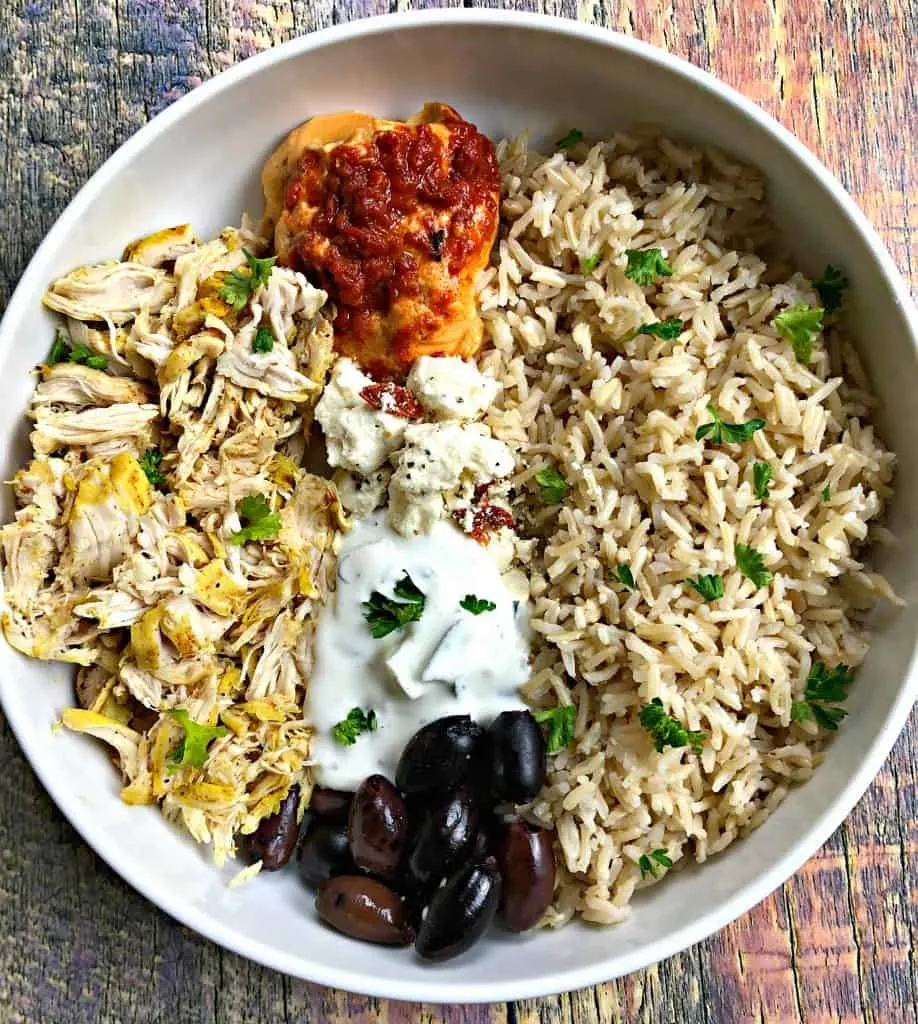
[481, 533]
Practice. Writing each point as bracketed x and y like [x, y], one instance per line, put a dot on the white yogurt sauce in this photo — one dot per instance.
[450, 662]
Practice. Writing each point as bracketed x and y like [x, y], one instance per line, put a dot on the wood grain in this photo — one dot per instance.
[837, 943]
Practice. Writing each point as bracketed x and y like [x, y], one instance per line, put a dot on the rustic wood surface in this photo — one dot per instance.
[837, 943]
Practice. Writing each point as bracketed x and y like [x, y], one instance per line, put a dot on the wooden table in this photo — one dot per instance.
[837, 943]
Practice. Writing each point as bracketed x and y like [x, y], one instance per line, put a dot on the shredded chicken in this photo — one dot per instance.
[125, 556]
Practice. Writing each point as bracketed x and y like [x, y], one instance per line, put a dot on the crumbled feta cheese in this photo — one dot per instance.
[451, 388]
[362, 495]
[436, 459]
[357, 436]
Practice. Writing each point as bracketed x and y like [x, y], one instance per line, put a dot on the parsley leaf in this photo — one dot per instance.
[476, 605]
[731, 433]
[761, 478]
[560, 726]
[646, 265]
[384, 615]
[831, 286]
[552, 485]
[574, 136]
[357, 722]
[239, 286]
[75, 354]
[150, 463]
[648, 862]
[751, 564]
[800, 325]
[710, 587]
[258, 521]
[667, 731]
[625, 576]
[192, 751]
[825, 688]
[825, 493]
[589, 264]
[668, 330]
[263, 340]
[58, 353]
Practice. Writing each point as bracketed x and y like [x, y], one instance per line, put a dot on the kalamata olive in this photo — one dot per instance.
[517, 753]
[460, 911]
[275, 838]
[378, 827]
[487, 837]
[438, 755]
[333, 804]
[527, 865]
[324, 851]
[364, 909]
[444, 837]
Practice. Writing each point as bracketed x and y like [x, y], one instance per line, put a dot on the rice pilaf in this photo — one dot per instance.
[615, 413]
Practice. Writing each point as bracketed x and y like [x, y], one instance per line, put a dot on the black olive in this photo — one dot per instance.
[460, 911]
[378, 827]
[438, 755]
[364, 909]
[333, 804]
[444, 837]
[488, 837]
[527, 863]
[275, 838]
[517, 757]
[324, 852]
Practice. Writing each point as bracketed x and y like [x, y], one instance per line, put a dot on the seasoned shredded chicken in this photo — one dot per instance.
[180, 388]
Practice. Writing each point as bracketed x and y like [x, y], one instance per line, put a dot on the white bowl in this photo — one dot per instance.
[200, 161]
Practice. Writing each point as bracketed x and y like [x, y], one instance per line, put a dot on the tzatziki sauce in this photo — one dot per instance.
[448, 662]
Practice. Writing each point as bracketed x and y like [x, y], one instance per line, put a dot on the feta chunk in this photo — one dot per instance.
[361, 495]
[357, 437]
[451, 388]
[436, 459]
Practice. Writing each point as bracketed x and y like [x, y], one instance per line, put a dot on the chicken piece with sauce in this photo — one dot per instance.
[394, 220]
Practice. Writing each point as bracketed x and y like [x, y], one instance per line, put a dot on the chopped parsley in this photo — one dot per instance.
[646, 265]
[58, 353]
[751, 564]
[589, 264]
[648, 862]
[825, 689]
[668, 330]
[75, 354]
[192, 750]
[761, 478]
[831, 286]
[552, 485]
[263, 340]
[239, 286]
[731, 433]
[574, 136]
[476, 605]
[385, 615]
[560, 726]
[800, 325]
[150, 463]
[825, 493]
[258, 521]
[357, 722]
[709, 587]
[625, 576]
[666, 731]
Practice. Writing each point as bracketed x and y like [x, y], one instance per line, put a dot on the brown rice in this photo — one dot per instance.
[617, 414]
